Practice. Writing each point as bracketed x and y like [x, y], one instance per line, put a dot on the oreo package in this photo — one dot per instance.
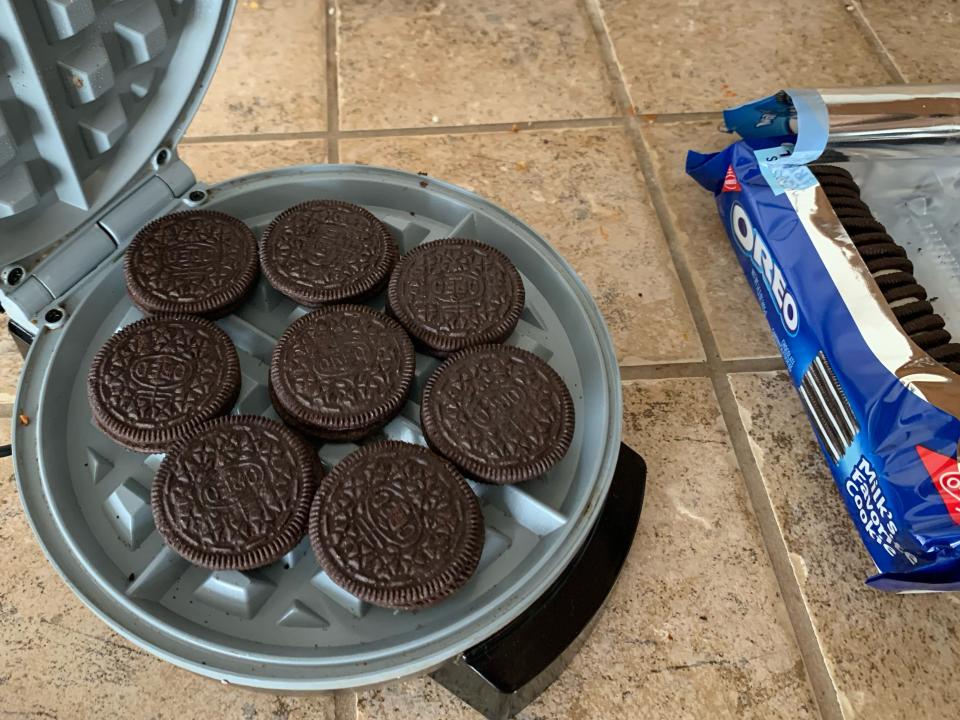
[843, 209]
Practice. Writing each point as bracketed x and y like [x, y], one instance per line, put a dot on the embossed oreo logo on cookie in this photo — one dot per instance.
[162, 371]
[327, 251]
[235, 495]
[354, 347]
[507, 401]
[498, 412]
[459, 291]
[332, 243]
[356, 355]
[455, 293]
[156, 379]
[243, 481]
[341, 372]
[395, 525]
[390, 517]
[189, 255]
[197, 262]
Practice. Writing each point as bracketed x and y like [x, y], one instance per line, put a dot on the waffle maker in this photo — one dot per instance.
[94, 96]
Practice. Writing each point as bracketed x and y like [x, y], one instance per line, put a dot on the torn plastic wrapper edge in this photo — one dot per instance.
[885, 414]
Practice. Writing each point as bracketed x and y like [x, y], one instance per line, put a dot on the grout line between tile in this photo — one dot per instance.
[662, 371]
[255, 137]
[886, 58]
[567, 124]
[331, 21]
[345, 706]
[664, 118]
[572, 124]
[749, 365]
[824, 689]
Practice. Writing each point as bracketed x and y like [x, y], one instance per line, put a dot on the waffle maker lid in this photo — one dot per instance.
[94, 98]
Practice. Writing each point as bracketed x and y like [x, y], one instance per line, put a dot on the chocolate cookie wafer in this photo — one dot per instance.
[839, 203]
[859, 225]
[236, 495]
[326, 251]
[158, 379]
[197, 263]
[341, 372]
[395, 525]
[824, 171]
[498, 412]
[892, 270]
[454, 293]
[839, 187]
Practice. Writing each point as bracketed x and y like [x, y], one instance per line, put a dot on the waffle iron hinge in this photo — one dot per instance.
[38, 297]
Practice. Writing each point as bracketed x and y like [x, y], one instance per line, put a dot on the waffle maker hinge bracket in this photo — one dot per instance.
[94, 245]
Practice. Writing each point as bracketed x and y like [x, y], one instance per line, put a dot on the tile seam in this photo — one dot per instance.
[824, 689]
[663, 371]
[331, 26]
[660, 118]
[345, 706]
[885, 57]
[525, 125]
[697, 368]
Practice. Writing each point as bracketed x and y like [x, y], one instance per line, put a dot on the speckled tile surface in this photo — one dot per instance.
[582, 190]
[678, 638]
[420, 698]
[885, 651]
[271, 76]
[216, 162]
[460, 62]
[738, 324]
[698, 55]
[921, 37]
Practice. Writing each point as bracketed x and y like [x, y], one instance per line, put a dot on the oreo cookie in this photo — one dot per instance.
[326, 251]
[453, 294]
[827, 172]
[881, 250]
[911, 308]
[846, 203]
[855, 226]
[197, 263]
[395, 525]
[340, 373]
[891, 268]
[499, 413]
[870, 238]
[925, 323]
[884, 264]
[236, 495]
[158, 379]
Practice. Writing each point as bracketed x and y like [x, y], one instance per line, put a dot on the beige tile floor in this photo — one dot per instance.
[742, 596]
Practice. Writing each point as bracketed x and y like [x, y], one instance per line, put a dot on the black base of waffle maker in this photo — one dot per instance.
[501, 676]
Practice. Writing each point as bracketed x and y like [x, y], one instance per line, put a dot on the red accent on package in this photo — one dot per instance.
[730, 182]
[946, 478]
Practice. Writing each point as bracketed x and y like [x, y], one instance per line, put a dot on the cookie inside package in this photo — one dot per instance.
[843, 209]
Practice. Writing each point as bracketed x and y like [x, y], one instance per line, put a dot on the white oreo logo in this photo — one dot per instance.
[754, 246]
[950, 483]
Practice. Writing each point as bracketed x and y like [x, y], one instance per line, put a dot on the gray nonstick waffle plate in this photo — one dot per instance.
[286, 626]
